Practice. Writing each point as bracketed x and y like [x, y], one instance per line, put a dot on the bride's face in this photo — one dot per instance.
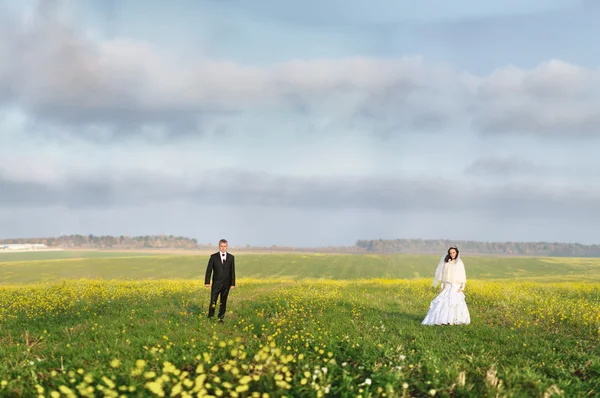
[452, 253]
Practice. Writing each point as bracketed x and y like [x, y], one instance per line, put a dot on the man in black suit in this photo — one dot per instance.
[222, 267]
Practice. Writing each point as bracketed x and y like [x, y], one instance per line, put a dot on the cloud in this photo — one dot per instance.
[235, 188]
[100, 90]
[554, 98]
[503, 167]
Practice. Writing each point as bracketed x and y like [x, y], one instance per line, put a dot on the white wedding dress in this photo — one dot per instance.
[449, 307]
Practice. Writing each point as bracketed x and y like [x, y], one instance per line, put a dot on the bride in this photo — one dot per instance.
[449, 307]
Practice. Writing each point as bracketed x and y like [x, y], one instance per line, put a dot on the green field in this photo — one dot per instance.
[36, 267]
[297, 325]
[59, 255]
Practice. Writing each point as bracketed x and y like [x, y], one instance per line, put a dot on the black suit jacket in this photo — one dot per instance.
[223, 274]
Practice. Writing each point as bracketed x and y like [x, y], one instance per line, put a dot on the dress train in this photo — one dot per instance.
[448, 308]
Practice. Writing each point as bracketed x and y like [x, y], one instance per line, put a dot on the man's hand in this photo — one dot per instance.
[232, 287]
[207, 285]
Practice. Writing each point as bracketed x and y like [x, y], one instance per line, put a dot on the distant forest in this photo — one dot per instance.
[408, 246]
[113, 242]
[434, 246]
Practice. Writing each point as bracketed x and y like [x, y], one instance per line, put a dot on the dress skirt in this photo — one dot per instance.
[448, 308]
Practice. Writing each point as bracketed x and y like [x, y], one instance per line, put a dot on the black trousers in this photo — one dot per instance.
[220, 293]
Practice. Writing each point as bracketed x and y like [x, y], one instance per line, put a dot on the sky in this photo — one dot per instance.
[308, 123]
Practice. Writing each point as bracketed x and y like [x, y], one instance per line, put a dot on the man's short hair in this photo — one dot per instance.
[223, 241]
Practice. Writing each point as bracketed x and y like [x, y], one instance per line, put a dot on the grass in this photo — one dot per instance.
[289, 266]
[64, 254]
[289, 334]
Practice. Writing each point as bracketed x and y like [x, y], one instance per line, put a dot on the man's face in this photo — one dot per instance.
[223, 247]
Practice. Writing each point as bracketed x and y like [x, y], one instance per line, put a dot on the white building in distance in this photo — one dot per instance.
[23, 247]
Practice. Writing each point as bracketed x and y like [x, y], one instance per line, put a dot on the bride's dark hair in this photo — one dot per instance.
[448, 256]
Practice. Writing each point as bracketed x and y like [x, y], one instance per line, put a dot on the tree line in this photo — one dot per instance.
[113, 242]
[435, 246]
[408, 246]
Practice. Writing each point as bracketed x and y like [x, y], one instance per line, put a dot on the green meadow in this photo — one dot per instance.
[49, 266]
[298, 325]
[60, 255]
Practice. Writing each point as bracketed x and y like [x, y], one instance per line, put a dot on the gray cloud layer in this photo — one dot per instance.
[502, 167]
[238, 188]
[59, 76]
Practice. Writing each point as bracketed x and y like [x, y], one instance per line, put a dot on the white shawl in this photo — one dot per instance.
[451, 272]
